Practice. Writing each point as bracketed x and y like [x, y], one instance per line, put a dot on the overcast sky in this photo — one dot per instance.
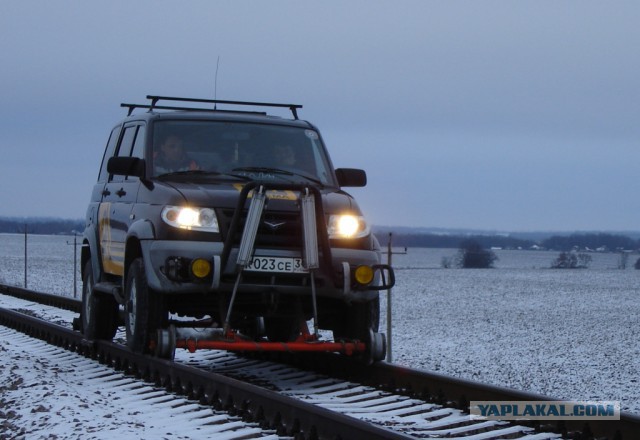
[495, 115]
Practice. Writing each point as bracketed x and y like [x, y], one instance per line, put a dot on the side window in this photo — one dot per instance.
[138, 146]
[108, 152]
[126, 145]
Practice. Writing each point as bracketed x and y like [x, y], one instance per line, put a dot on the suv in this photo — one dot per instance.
[229, 219]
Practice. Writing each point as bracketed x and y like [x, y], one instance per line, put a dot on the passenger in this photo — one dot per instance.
[171, 157]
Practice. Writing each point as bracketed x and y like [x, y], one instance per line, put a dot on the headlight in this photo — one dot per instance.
[197, 219]
[347, 226]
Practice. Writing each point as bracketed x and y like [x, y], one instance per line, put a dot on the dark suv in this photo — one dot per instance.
[226, 219]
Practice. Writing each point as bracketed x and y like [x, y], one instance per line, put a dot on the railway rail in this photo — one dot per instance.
[309, 396]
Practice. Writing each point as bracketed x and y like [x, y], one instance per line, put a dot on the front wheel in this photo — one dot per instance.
[144, 310]
[99, 311]
[282, 329]
[358, 320]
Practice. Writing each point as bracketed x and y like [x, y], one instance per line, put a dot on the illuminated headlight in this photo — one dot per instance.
[197, 219]
[347, 226]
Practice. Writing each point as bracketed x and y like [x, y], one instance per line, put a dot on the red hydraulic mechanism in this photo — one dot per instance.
[193, 339]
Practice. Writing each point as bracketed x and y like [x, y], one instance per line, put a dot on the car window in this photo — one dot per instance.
[108, 152]
[126, 144]
[242, 148]
[138, 145]
[125, 148]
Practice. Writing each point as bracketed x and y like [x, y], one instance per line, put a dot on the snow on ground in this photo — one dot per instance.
[49, 393]
[569, 334]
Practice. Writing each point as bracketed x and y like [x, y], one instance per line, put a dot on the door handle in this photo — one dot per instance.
[106, 192]
[121, 192]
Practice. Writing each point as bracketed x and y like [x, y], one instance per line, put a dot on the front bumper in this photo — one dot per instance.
[334, 281]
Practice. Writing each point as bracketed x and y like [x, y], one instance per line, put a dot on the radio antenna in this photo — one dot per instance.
[215, 85]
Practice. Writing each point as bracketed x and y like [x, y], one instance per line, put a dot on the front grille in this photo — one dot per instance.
[277, 230]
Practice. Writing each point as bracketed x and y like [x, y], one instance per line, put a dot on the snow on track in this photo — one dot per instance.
[409, 416]
[48, 392]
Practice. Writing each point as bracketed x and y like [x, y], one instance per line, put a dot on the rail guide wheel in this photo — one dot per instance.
[376, 347]
[166, 343]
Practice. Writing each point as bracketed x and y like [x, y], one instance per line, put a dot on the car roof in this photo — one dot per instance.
[218, 115]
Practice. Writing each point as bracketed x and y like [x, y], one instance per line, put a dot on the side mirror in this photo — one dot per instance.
[351, 177]
[126, 166]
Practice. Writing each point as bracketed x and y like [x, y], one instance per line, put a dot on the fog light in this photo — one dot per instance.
[200, 268]
[174, 268]
[364, 275]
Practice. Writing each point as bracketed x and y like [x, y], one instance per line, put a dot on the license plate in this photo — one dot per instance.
[276, 264]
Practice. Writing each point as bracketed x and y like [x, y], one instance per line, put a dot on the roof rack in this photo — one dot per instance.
[154, 100]
[132, 107]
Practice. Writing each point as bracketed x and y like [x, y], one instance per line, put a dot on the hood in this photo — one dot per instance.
[225, 195]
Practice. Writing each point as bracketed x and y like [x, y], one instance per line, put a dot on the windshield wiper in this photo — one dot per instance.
[188, 172]
[279, 171]
[200, 173]
[264, 170]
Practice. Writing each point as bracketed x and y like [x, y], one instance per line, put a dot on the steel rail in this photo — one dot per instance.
[60, 302]
[271, 410]
[455, 392]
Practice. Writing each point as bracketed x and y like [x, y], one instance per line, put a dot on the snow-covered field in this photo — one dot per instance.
[569, 334]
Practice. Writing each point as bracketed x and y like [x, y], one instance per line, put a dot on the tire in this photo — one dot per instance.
[143, 310]
[99, 311]
[358, 319]
[368, 316]
[282, 329]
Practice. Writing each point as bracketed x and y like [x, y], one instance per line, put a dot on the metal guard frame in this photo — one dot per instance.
[323, 237]
[384, 269]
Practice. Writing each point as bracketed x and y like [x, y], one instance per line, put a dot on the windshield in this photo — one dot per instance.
[249, 150]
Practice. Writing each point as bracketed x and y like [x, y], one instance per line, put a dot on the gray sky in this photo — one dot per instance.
[476, 114]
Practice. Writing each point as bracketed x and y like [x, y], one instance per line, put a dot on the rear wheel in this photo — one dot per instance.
[144, 309]
[99, 311]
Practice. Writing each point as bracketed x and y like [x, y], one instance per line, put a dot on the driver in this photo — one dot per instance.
[172, 157]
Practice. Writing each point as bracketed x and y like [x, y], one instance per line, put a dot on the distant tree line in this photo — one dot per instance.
[601, 241]
[44, 226]
[591, 241]
[455, 241]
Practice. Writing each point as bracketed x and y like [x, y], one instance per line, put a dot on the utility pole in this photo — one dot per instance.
[75, 262]
[389, 311]
[25, 255]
